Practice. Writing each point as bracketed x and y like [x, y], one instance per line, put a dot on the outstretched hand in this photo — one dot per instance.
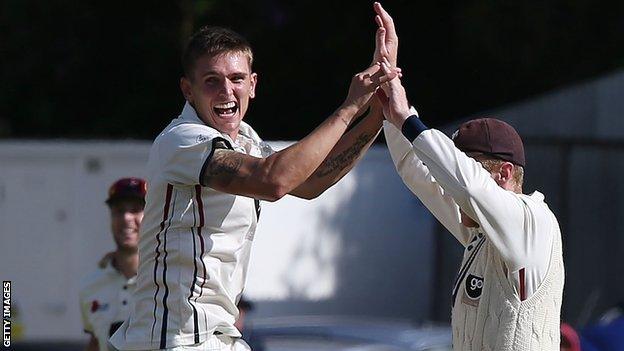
[386, 39]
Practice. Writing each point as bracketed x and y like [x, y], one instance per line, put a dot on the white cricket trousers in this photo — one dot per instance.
[216, 343]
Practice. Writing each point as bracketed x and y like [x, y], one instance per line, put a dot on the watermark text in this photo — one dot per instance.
[6, 313]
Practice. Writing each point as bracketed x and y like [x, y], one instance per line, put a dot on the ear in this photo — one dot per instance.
[185, 86]
[506, 172]
[252, 88]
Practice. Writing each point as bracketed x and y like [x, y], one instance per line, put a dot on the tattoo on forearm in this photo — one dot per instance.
[346, 157]
[223, 163]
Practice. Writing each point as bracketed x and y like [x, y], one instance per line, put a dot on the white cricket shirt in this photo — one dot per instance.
[105, 300]
[195, 241]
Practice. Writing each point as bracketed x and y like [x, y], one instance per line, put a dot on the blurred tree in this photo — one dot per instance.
[110, 70]
[87, 69]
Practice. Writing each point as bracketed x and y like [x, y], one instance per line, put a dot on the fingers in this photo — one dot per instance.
[380, 43]
[378, 74]
[385, 18]
[387, 68]
[391, 43]
[378, 21]
[384, 74]
[390, 86]
[375, 67]
[385, 64]
[379, 79]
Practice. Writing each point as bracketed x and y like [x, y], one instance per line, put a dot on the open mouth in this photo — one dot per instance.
[226, 110]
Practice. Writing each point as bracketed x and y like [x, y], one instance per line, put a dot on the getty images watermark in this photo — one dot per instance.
[6, 313]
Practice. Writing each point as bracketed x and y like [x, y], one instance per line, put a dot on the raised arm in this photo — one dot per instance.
[417, 177]
[344, 156]
[503, 215]
[279, 174]
[353, 145]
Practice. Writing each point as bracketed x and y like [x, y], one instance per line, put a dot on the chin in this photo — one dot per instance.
[128, 244]
[128, 247]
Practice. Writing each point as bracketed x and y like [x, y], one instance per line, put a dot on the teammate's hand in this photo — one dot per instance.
[386, 39]
[394, 100]
[364, 84]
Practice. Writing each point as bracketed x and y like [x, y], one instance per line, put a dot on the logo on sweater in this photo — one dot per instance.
[474, 286]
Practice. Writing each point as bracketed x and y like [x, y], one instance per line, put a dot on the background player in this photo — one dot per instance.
[105, 294]
[207, 171]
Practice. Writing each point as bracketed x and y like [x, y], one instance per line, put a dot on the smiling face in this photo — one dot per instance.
[126, 217]
[220, 88]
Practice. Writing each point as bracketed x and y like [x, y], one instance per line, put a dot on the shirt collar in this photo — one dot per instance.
[110, 269]
[189, 114]
[537, 196]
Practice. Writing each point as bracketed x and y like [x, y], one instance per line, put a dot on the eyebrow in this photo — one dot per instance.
[212, 72]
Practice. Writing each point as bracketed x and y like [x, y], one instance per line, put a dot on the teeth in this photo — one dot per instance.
[230, 104]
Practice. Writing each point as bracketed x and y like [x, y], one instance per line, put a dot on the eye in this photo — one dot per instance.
[238, 79]
[136, 209]
[211, 80]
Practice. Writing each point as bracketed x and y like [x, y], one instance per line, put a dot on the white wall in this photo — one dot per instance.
[362, 248]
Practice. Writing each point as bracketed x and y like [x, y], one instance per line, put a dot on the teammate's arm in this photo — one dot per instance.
[501, 213]
[417, 177]
[354, 144]
[279, 174]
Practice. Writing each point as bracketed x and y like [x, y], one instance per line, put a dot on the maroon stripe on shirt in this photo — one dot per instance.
[165, 317]
[522, 285]
[162, 227]
[200, 210]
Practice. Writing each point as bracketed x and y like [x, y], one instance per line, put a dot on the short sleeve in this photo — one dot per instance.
[266, 149]
[185, 150]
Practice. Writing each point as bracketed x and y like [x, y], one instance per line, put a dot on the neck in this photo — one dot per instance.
[516, 189]
[233, 135]
[127, 262]
[511, 186]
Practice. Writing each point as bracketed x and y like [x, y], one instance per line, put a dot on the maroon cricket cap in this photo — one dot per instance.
[492, 137]
[127, 188]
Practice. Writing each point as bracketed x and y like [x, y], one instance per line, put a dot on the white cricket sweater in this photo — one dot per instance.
[508, 292]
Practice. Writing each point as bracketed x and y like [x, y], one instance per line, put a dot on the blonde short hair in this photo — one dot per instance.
[213, 41]
[494, 164]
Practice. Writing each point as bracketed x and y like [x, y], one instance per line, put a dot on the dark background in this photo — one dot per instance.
[110, 70]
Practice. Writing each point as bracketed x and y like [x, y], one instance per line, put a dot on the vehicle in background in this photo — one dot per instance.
[321, 333]
[318, 333]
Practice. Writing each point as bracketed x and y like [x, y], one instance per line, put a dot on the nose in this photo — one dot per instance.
[227, 88]
[128, 216]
